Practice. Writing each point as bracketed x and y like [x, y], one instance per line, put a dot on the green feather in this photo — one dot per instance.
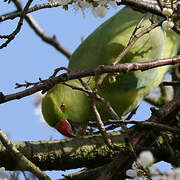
[73, 100]
[102, 47]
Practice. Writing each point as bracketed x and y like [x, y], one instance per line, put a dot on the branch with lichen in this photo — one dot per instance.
[19, 159]
[166, 115]
[159, 150]
[90, 151]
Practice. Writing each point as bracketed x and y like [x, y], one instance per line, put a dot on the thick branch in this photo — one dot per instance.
[20, 160]
[90, 151]
[166, 115]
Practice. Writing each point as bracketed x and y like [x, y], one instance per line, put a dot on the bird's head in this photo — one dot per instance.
[66, 109]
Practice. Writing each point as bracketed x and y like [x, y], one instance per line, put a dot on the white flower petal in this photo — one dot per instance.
[113, 4]
[166, 25]
[167, 11]
[63, 2]
[94, 12]
[101, 11]
[3, 175]
[134, 166]
[131, 173]
[145, 158]
[161, 177]
[154, 171]
[103, 2]
[118, 1]
[174, 174]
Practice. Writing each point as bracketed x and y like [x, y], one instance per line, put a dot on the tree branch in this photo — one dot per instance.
[44, 85]
[145, 5]
[71, 153]
[90, 151]
[39, 31]
[20, 160]
[33, 9]
[166, 115]
[11, 36]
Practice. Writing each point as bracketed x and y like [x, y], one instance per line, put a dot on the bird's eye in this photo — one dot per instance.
[62, 106]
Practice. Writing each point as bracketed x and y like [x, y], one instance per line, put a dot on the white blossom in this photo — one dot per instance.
[101, 11]
[144, 164]
[174, 174]
[167, 11]
[135, 173]
[166, 25]
[3, 175]
[113, 4]
[94, 12]
[132, 173]
[101, 2]
[63, 2]
[99, 7]
[145, 159]
[161, 177]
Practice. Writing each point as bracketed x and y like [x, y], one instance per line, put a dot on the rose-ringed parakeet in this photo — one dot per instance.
[63, 107]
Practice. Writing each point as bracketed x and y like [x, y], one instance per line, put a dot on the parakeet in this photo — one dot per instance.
[63, 107]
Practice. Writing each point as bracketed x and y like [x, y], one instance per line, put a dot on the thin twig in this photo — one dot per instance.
[92, 96]
[146, 5]
[22, 161]
[40, 32]
[77, 88]
[101, 125]
[33, 9]
[161, 4]
[138, 26]
[148, 124]
[171, 83]
[131, 42]
[11, 36]
[121, 163]
[132, 113]
[60, 69]
[24, 174]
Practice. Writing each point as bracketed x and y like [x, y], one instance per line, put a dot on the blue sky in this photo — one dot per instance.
[27, 57]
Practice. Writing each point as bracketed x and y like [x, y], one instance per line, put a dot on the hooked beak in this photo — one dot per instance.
[68, 128]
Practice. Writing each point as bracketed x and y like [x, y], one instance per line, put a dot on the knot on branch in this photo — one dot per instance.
[49, 84]
[64, 77]
[57, 70]
[125, 68]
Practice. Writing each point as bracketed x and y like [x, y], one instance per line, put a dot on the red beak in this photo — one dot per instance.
[64, 127]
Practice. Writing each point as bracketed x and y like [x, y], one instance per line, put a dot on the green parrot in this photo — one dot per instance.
[63, 108]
